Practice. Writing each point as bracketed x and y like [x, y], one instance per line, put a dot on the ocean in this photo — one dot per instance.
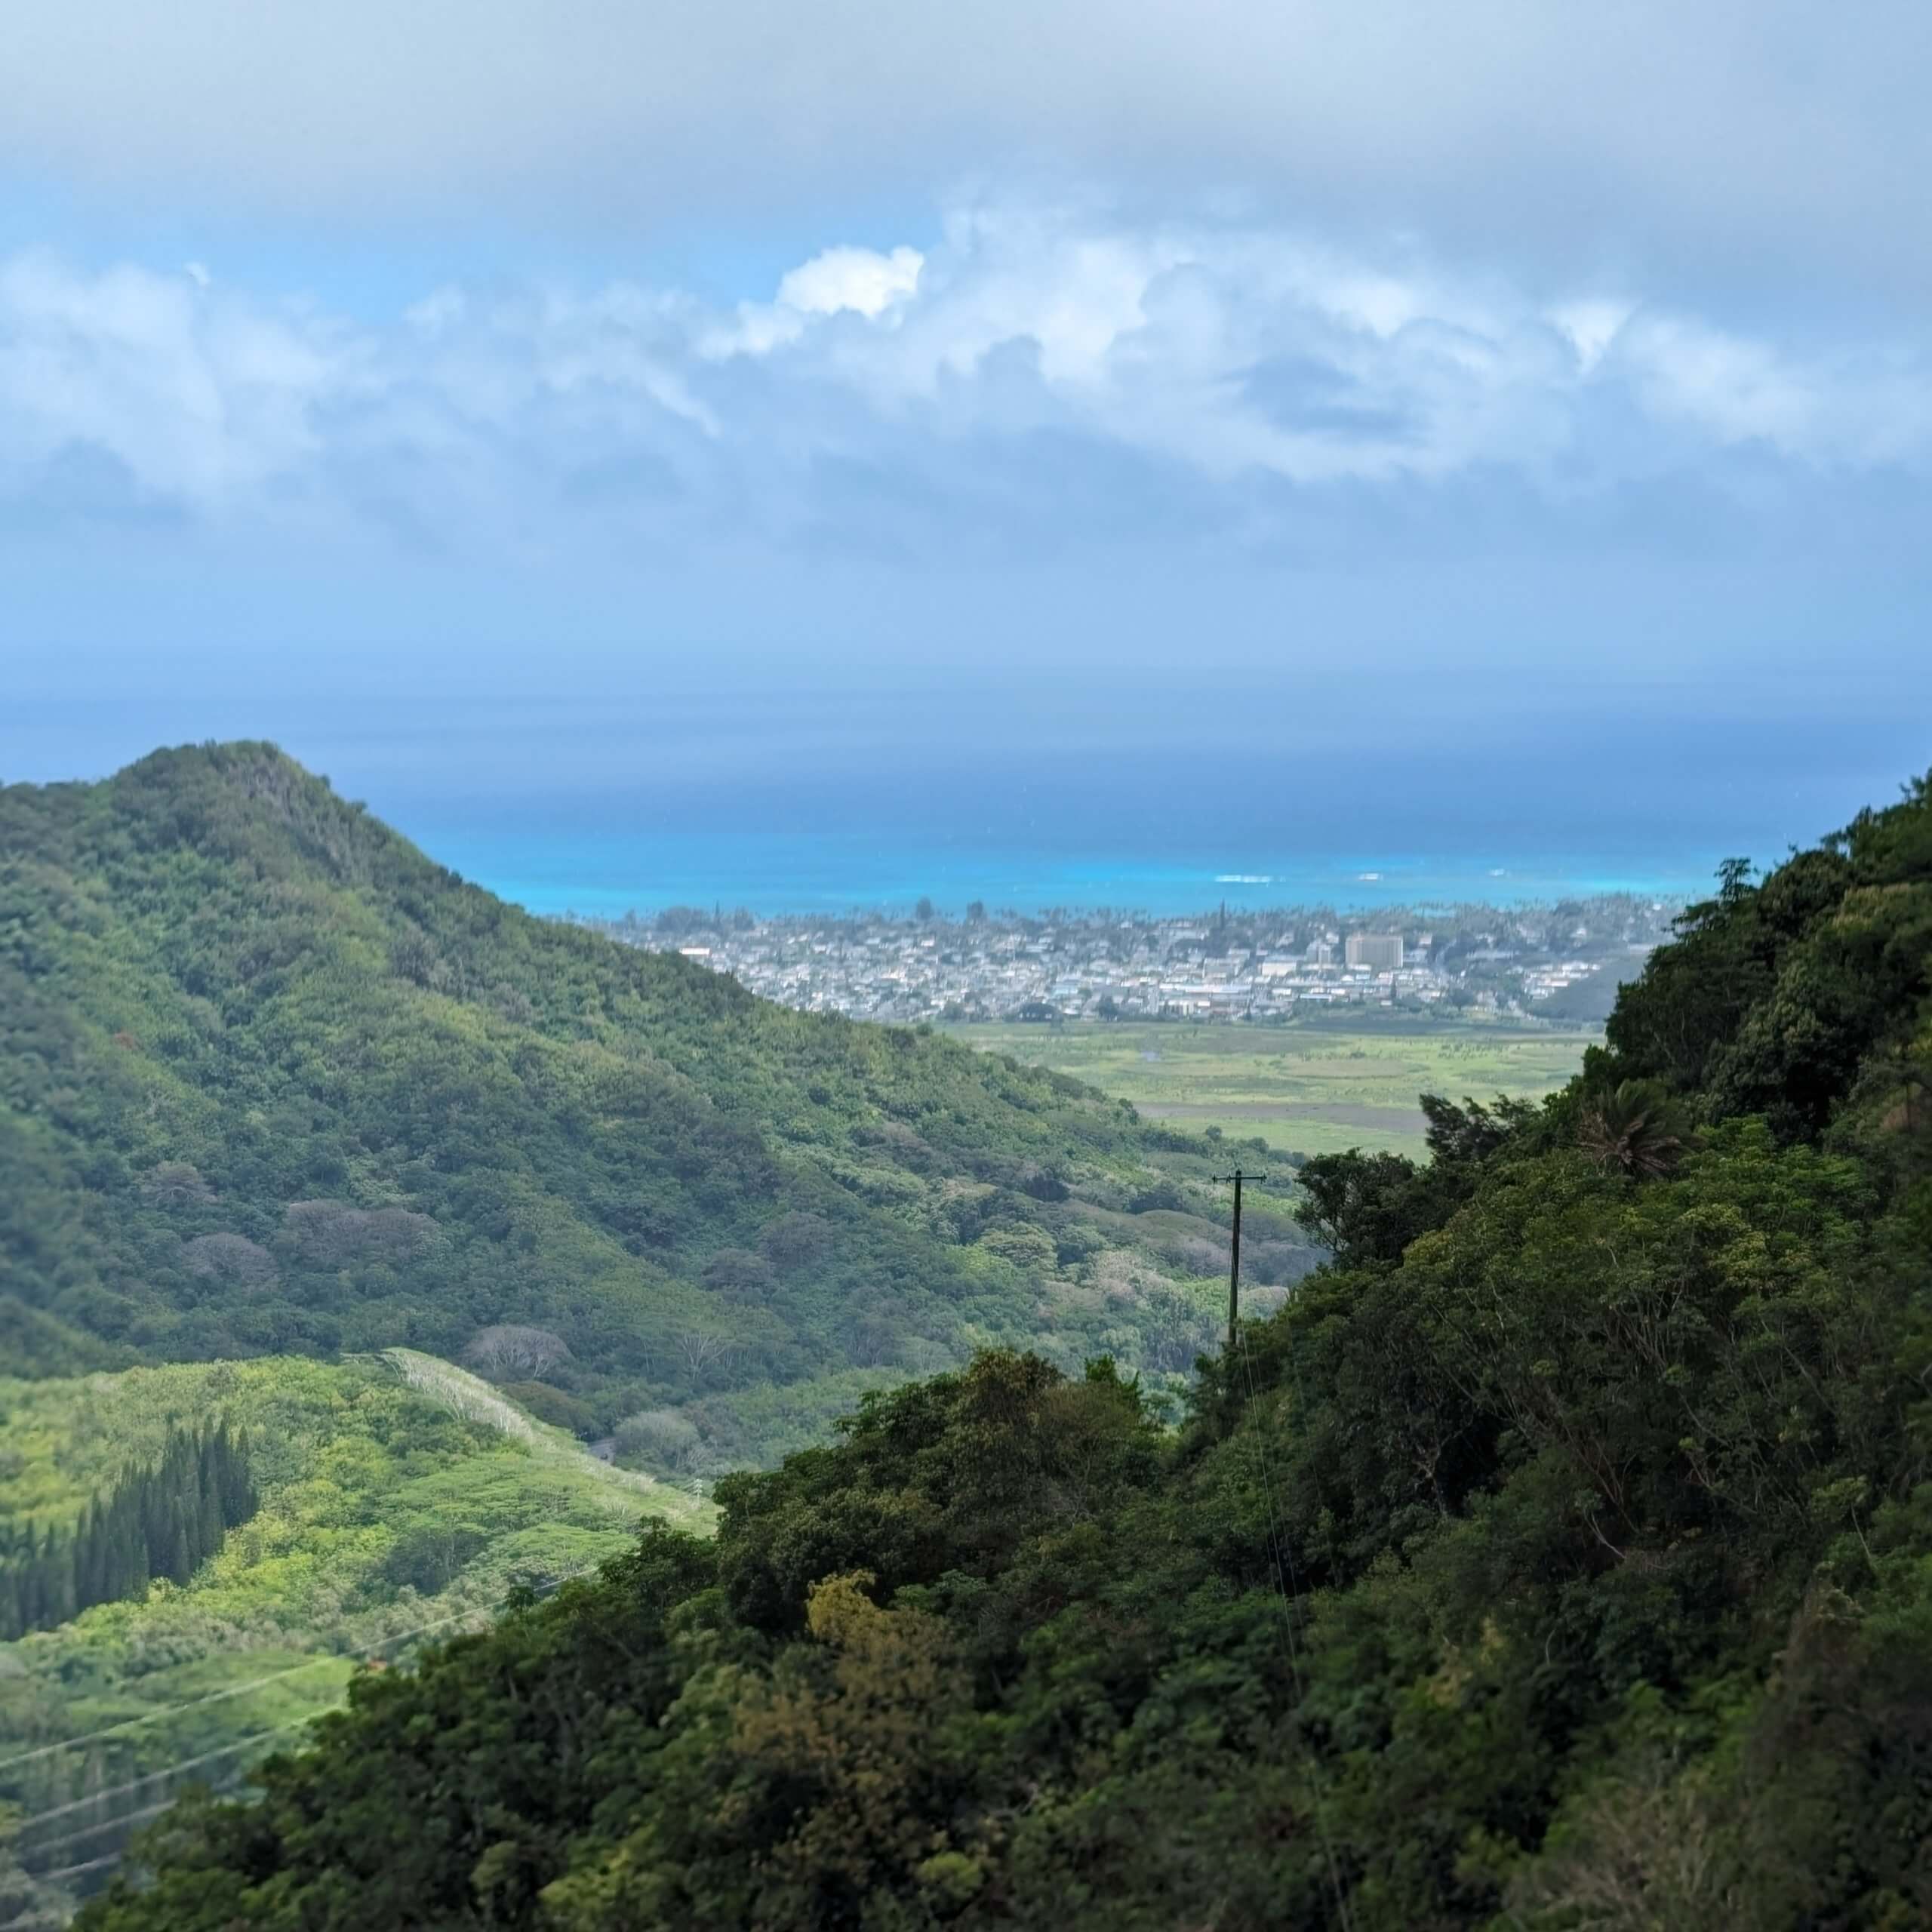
[824, 802]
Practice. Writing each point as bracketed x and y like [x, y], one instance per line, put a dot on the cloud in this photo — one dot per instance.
[204, 399]
[1701, 140]
[860, 279]
[1255, 378]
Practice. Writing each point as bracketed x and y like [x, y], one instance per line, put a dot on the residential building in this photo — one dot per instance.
[1380, 952]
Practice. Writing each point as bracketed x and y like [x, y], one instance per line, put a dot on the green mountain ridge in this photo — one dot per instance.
[1560, 1557]
[271, 1080]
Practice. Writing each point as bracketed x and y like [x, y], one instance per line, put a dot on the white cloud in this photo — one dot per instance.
[1213, 357]
[204, 400]
[860, 279]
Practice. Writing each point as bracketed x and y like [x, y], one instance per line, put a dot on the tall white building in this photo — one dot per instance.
[1380, 952]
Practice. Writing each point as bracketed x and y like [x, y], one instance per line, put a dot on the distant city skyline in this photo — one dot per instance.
[1254, 967]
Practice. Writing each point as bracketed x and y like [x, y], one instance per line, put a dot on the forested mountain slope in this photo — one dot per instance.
[1560, 1557]
[370, 1503]
[272, 1081]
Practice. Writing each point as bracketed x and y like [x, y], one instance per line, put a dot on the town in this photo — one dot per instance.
[1558, 963]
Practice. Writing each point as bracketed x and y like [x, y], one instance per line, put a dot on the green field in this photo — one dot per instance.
[1313, 1087]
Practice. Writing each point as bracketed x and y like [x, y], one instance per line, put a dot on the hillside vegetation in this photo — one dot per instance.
[1560, 1557]
[386, 1499]
[273, 1082]
[163, 1517]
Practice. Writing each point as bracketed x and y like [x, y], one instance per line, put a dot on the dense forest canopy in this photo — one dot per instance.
[165, 1518]
[273, 1081]
[1560, 1556]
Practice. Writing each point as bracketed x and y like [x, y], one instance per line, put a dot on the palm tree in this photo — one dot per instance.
[1629, 1128]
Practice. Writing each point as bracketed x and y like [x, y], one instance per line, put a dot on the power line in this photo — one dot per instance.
[166, 1771]
[166, 1711]
[253, 1683]
[74, 1871]
[548, 1588]
[95, 1831]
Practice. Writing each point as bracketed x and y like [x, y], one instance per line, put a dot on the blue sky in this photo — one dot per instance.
[1400, 363]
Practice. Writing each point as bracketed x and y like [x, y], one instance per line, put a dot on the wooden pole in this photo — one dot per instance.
[1234, 1267]
[1234, 1253]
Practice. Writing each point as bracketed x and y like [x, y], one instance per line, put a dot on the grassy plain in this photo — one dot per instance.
[1314, 1086]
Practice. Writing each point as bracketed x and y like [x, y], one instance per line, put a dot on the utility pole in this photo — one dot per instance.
[1233, 1249]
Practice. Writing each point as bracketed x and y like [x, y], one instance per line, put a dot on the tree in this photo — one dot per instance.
[507, 1349]
[328, 1233]
[176, 1184]
[739, 1273]
[795, 1239]
[659, 1436]
[231, 1258]
[700, 1350]
[1629, 1127]
[164, 1518]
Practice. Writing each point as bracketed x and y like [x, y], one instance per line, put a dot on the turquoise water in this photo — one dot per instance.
[592, 872]
[823, 802]
[775, 818]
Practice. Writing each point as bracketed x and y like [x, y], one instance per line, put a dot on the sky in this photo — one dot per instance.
[1329, 372]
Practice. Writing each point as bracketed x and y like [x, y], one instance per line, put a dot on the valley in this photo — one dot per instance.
[1315, 1086]
[490, 1239]
[655, 1403]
